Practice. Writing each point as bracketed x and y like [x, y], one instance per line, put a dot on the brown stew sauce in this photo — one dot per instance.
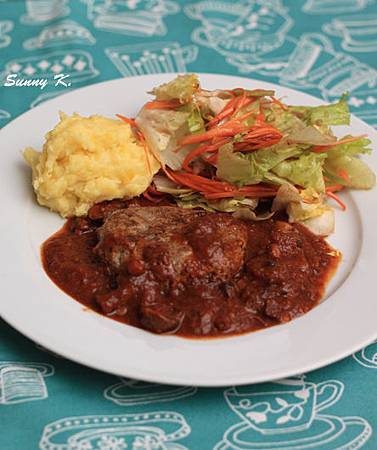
[283, 275]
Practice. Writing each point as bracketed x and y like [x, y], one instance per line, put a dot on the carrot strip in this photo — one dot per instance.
[162, 104]
[146, 150]
[152, 189]
[337, 199]
[225, 112]
[279, 103]
[324, 148]
[260, 119]
[343, 174]
[127, 120]
[150, 198]
[214, 132]
[334, 188]
[212, 159]
[204, 148]
[198, 182]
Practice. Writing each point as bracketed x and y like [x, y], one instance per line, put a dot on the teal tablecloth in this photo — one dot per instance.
[324, 47]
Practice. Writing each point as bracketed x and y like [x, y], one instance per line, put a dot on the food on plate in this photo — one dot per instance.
[205, 214]
[229, 150]
[86, 160]
[188, 271]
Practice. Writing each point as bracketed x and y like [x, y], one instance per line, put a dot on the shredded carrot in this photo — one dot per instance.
[198, 182]
[127, 120]
[146, 150]
[343, 174]
[260, 119]
[225, 112]
[324, 148]
[204, 148]
[213, 132]
[240, 101]
[213, 189]
[150, 198]
[337, 199]
[162, 104]
[212, 159]
[334, 188]
[279, 103]
[152, 190]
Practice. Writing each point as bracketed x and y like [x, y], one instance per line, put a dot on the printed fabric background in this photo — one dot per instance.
[324, 47]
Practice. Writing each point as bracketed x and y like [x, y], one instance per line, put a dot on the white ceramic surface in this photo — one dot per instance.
[343, 323]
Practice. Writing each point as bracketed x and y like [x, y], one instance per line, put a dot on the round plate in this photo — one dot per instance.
[343, 323]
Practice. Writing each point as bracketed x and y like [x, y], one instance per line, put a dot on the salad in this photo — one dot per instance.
[247, 152]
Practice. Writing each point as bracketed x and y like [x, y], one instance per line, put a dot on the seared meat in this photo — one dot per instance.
[188, 272]
[174, 244]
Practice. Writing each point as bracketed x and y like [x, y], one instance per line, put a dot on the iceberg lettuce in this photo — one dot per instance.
[334, 114]
[182, 88]
[342, 159]
[305, 171]
[252, 168]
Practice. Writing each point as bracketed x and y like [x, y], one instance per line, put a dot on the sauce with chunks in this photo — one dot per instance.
[188, 272]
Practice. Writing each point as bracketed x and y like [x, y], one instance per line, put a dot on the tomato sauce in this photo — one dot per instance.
[281, 274]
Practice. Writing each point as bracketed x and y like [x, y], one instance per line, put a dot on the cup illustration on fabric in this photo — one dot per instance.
[23, 382]
[149, 431]
[334, 6]
[132, 17]
[62, 33]
[5, 27]
[315, 64]
[132, 392]
[4, 115]
[289, 414]
[358, 32]
[78, 64]
[42, 11]
[244, 29]
[367, 357]
[159, 57]
[290, 406]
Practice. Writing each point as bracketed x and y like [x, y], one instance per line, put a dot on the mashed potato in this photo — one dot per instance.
[86, 160]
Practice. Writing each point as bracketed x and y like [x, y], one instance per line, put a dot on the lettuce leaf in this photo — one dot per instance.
[284, 121]
[182, 88]
[306, 207]
[252, 168]
[195, 121]
[342, 158]
[163, 184]
[253, 92]
[305, 171]
[297, 130]
[310, 135]
[334, 114]
[211, 103]
[163, 129]
[196, 200]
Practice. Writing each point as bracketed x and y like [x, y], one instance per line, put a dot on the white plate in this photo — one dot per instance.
[340, 325]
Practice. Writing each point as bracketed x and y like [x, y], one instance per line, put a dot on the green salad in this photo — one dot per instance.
[246, 152]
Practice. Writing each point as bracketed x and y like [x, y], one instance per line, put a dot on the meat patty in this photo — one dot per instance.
[174, 244]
